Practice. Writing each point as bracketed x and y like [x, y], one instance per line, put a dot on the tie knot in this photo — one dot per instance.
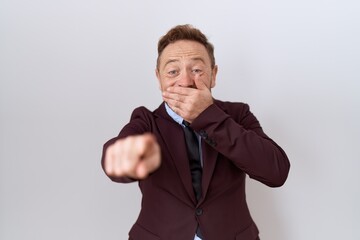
[186, 123]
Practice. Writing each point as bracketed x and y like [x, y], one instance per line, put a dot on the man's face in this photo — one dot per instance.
[182, 62]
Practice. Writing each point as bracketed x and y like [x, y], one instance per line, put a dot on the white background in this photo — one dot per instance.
[71, 72]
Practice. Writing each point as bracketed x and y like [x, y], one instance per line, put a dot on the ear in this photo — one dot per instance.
[158, 77]
[213, 76]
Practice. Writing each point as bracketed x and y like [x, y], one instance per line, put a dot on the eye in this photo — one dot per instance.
[172, 72]
[197, 71]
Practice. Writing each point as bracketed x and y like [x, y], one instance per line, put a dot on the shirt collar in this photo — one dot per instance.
[173, 115]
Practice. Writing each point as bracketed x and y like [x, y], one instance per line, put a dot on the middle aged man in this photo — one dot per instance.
[191, 155]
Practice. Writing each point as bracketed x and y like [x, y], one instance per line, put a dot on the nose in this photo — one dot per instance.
[186, 79]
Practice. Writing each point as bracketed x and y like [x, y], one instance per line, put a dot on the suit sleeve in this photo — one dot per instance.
[236, 134]
[138, 125]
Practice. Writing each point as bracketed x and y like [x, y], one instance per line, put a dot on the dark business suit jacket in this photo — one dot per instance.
[233, 145]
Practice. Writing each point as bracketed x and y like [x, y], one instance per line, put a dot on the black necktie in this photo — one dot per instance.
[192, 145]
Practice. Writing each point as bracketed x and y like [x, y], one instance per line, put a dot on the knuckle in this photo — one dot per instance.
[118, 171]
[108, 168]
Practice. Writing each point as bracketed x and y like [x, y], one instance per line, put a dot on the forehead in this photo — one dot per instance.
[184, 49]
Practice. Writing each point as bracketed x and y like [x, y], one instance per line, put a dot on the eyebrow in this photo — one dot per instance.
[170, 61]
[177, 60]
[198, 59]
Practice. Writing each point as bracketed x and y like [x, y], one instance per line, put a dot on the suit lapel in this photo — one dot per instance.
[209, 159]
[173, 137]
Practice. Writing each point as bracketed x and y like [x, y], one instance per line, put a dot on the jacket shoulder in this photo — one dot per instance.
[234, 109]
[141, 121]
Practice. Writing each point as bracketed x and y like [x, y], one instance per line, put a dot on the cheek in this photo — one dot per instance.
[165, 83]
[206, 78]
